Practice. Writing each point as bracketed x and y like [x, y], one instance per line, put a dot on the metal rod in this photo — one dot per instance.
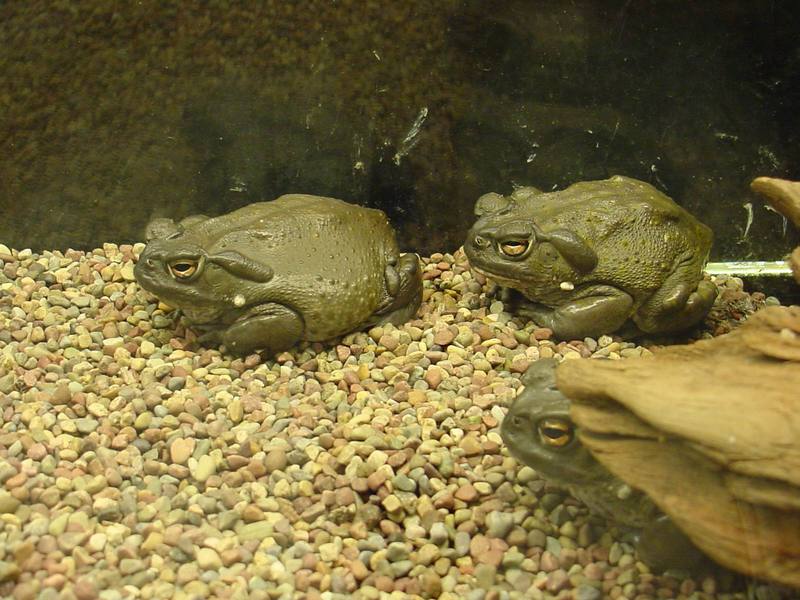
[750, 268]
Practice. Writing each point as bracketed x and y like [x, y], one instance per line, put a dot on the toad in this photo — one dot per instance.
[598, 257]
[539, 433]
[271, 274]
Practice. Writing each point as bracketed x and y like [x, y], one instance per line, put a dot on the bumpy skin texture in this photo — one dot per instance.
[595, 257]
[539, 432]
[273, 273]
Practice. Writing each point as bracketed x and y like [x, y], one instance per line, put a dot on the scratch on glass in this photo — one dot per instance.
[412, 137]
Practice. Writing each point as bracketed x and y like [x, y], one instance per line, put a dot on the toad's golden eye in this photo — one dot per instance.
[183, 268]
[514, 247]
[555, 432]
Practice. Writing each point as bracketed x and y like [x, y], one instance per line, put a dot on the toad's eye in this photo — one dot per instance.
[514, 247]
[183, 268]
[555, 432]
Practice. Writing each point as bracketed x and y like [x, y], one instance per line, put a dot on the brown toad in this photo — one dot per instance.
[595, 257]
[273, 273]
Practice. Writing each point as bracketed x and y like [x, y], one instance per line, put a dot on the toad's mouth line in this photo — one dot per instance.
[503, 280]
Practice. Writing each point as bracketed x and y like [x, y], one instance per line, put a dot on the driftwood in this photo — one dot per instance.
[784, 197]
[711, 432]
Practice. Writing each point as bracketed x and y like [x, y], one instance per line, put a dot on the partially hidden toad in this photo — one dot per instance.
[271, 274]
[539, 433]
[596, 258]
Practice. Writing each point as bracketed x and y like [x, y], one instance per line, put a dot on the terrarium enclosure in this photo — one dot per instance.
[309, 399]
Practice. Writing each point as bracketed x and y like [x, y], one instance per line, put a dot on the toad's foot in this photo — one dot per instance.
[404, 291]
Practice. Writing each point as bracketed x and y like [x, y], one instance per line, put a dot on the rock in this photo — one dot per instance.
[8, 503]
[275, 460]
[181, 449]
[208, 559]
[205, 468]
[499, 523]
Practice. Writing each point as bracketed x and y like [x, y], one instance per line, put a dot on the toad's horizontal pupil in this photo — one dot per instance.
[554, 433]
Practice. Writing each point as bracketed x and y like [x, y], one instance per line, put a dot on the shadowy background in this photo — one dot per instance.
[112, 113]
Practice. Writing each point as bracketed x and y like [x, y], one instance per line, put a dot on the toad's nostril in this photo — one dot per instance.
[481, 242]
[517, 422]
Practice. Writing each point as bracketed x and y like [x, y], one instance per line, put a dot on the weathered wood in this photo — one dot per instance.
[783, 196]
[711, 431]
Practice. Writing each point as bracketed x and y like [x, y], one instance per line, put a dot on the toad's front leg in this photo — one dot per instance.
[590, 312]
[267, 327]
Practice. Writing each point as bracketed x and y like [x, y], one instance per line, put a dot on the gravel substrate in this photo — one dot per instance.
[137, 465]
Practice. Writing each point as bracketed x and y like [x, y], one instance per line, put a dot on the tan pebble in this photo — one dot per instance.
[443, 337]
[208, 559]
[376, 480]
[389, 342]
[9, 504]
[254, 531]
[84, 589]
[282, 489]
[206, 467]
[275, 460]
[363, 371]
[467, 493]
[236, 411]
[471, 445]
[61, 395]
[416, 397]
[252, 514]
[181, 449]
[519, 364]
[433, 376]
[152, 541]
[37, 451]
[548, 562]
[483, 487]
[359, 570]
[127, 271]
[329, 551]
[479, 545]
[97, 541]
[392, 503]
[16, 481]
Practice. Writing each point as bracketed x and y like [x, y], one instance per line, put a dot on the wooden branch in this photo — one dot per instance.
[783, 196]
[711, 431]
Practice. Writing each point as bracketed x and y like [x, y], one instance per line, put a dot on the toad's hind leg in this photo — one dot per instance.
[269, 328]
[404, 292]
[679, 303]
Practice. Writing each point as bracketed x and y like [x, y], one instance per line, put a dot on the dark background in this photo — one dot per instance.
[112, 113]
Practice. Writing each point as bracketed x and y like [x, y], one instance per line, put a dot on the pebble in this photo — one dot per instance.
[373, 466]
[499, 523]
[208, 559]
[181, 449]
